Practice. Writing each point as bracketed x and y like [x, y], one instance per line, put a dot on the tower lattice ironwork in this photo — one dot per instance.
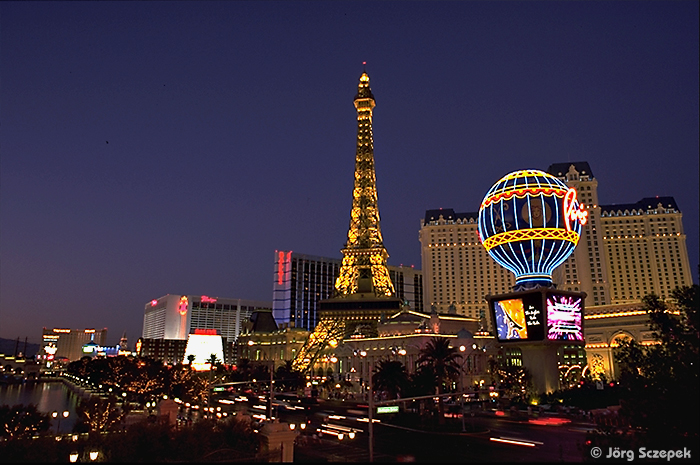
[363, 269]
[363, 289]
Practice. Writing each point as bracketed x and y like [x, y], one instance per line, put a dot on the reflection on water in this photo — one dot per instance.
[49, 397]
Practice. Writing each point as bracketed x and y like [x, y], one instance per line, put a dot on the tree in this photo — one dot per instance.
[149, 378]
[391, 377]
[184, 383]
[515, 382]
[21, 421]
[659, 383]
[444, 363]
[213, 360]
[100, 414]
[288, 377]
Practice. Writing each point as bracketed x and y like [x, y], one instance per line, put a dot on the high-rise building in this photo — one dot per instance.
[68, 343]
[645, 247]
[625, 252]
[176, 316]
[302, 281]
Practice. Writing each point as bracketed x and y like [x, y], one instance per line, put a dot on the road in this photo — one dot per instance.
[502, 441]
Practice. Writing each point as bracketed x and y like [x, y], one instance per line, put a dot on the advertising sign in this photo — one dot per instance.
[519, 317]
[564, 316]
[538, 315]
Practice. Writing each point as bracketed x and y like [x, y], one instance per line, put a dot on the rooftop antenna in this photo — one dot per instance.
[364, 66]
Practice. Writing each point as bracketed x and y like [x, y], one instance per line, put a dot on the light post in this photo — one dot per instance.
[272, 388]
[462, 348]
[371, 420]
[55, 414]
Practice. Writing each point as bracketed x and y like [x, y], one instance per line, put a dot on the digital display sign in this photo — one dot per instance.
[564, 316]
[519, 318]
[538, 315]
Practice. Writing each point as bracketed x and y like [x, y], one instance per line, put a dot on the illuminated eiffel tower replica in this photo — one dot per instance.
[364, 292]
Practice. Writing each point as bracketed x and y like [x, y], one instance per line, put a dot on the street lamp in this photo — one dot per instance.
[55, 414]
[474, 348]
[370, 412]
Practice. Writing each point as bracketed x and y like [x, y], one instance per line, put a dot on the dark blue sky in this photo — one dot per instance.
[231, 133]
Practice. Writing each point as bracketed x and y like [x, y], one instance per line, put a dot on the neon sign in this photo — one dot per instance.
[154, 302]
[280, 267]
[182, 307]
[280, 264]
[571, 214]
[211, 300]
[209, 332]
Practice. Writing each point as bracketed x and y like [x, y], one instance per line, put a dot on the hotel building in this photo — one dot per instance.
[68, 343]
[645, 248]
[169, 320]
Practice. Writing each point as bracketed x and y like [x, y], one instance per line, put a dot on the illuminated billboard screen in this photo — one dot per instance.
[519, 317]
[564, 317]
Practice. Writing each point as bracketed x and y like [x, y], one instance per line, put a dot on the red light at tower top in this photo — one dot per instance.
[154, 302]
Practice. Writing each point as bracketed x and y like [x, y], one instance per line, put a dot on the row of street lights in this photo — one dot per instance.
[93, 455]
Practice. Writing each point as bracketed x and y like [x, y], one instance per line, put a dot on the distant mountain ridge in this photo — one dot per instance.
[7, 347]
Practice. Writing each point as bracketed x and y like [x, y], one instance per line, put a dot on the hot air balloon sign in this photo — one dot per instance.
[530, 222]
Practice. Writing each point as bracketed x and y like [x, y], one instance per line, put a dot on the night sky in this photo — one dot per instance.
[152, 148]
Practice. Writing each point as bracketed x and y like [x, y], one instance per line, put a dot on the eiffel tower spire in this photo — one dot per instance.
[363, 269]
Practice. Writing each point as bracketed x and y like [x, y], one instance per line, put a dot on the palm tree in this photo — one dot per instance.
[391, 376]
[213, 360]
[444, 362]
